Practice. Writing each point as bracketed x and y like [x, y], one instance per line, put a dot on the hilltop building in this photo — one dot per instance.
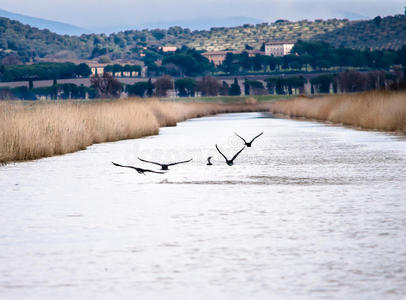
[169, 49]
[278, 48]
[217, 57]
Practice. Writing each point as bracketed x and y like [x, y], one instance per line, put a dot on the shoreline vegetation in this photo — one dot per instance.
[375, 110]
[31, 131]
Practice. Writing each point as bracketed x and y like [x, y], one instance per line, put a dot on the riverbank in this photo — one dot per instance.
[35, 130]
[370, 110]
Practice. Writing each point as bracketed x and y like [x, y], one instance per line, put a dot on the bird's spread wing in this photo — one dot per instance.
[180, 162]
[117, 165]
[235, 156]
[151, 162]
[150, 171]
[257, 136]
[221, 153]
[240, 137]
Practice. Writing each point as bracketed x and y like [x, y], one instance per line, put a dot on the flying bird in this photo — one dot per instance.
[229, 162]
[165, 167]
[209, 161]
[139, 170]
[248, 144]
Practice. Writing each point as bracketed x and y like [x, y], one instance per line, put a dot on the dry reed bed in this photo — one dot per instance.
[371, 110]
[31, 131]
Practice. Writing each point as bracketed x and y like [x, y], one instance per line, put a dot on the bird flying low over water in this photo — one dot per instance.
[165, 167]
[139, 170]
[229, 162]
[209, 161]
[248, 144]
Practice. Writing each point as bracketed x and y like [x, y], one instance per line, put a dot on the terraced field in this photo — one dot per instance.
[237, 37]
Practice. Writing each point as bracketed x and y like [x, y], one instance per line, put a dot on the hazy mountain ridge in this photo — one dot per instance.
[54, 26]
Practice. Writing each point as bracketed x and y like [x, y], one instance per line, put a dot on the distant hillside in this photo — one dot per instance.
[389, 33]
[193, 24]
[254, 35]
[57, 27]
[29, 42]
[204, 23]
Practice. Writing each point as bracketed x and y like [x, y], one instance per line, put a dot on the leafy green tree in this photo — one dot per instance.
[106, 85]
[189, 61]
[209, 86]
[186, 87]
[295, 83]
[162, 85]
[138, 89]
[270, 85]
[83, 70]
[280, 86]
[247, 90]
[255, 86]
[230, 64]
[377, 21]
[322, 83]
[224, 89]
[235, 89]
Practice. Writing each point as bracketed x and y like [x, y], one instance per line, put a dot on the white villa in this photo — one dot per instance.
[278, 48]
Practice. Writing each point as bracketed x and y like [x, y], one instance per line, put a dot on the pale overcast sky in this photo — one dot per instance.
[93, 13]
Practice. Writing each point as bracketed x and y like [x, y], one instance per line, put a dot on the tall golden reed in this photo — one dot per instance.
[31, 131]
[370, 110]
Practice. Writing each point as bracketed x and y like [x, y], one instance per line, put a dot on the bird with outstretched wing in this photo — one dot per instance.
[139, 170]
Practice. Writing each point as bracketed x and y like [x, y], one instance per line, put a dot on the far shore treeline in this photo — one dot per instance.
[188, 73]
[185, 62]
[108, 87]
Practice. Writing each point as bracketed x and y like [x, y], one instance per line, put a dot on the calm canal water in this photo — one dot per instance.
[310, 211]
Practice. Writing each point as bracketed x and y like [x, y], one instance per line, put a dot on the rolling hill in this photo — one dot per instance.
[29, 42]
[57, 27]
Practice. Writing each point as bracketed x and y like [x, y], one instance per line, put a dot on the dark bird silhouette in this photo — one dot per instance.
[139, 170]
[165, 167]
[248, 144]
[209, 161]
[229, 162]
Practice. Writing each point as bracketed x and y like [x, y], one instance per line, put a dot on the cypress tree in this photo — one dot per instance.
[246, 88]
[150, 89]
[235, 89]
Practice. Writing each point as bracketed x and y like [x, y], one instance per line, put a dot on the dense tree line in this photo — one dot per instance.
[285, 85]
[55, 92]
[182, 62]
[321, 55]
[316, 56]
[43, 71]
[107, 86]
[353, 81]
